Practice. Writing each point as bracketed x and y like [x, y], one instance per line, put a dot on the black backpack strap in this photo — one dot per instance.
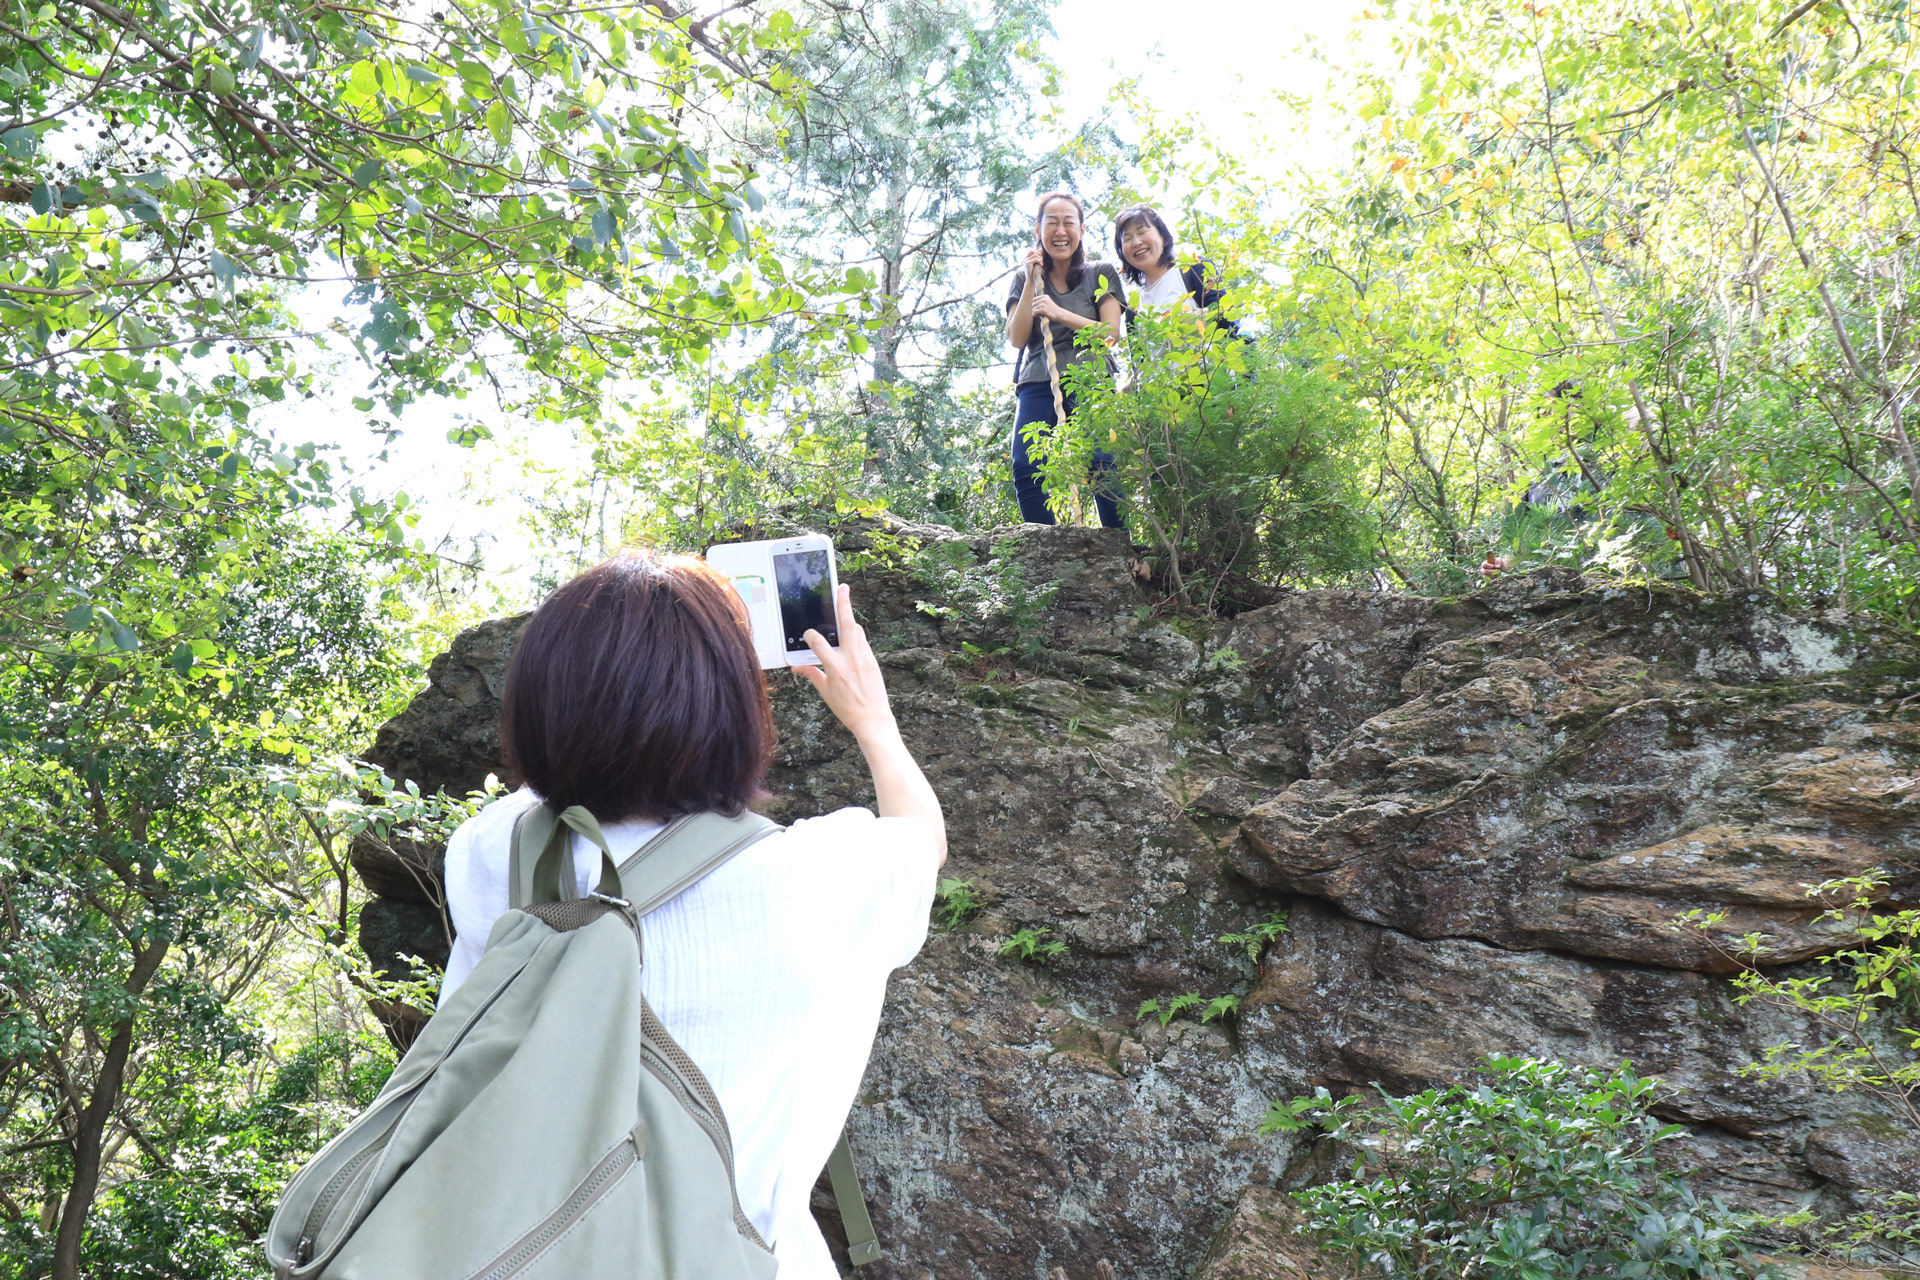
[1204, 295]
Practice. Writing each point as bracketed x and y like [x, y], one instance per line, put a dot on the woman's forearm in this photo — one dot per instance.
[900, 789]
[1074, 320]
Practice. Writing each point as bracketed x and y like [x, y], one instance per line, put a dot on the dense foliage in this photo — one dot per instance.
[1644, 267]
[1862, 1003]
[501, 196]
[1538, 1172]
[1237, 463]
[907, 165]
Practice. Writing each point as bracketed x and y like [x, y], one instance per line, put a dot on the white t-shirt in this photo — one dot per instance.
[1168, 291]
[770, 973]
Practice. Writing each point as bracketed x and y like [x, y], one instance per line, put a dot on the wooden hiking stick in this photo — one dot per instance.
[1075, 511]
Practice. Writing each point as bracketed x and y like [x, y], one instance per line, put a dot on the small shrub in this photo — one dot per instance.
[1233, 461]
[1256, 939]
[953, 903]
[1866, 1038]
[1542, 1171]
[1870, 1019]
[1227, 1006]
[1886, 1231]
[1033, 945]
[991, 595]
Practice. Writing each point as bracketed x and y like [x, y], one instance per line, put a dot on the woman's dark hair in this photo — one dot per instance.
[634, 691]
[1128, 217]
[1076, 265]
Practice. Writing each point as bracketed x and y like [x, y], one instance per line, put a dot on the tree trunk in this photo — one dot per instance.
[90, 1133]
[893, 272]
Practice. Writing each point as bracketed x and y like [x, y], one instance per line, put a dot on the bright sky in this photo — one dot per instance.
[1220, 59]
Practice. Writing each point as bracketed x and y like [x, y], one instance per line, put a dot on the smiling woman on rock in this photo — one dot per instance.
[1144, 245]
[1056, 294]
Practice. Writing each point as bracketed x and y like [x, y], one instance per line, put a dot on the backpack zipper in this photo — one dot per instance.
[714, 1125]
[328, 1199]
[523, 1252]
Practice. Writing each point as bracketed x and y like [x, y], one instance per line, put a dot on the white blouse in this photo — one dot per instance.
[770, 973]
[1170, 290]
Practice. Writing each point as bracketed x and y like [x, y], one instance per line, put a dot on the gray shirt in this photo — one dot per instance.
[1098, 282]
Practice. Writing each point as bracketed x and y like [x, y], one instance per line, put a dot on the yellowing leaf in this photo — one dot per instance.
[363, 85]
[1611, 240]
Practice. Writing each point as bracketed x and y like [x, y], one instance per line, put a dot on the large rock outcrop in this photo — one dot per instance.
[1482, 817]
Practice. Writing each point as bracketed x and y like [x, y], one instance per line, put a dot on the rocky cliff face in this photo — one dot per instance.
[1479, 816]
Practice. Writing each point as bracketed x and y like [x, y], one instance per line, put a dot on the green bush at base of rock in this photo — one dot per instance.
[1540, 1171]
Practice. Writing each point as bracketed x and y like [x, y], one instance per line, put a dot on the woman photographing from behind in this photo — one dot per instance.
[1056, 294]
[634, 693]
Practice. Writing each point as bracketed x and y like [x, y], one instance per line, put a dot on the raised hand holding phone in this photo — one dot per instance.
[786, 586]
[848, 680]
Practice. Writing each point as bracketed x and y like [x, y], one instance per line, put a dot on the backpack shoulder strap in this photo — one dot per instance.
[540, 856]
[674, 860]
[1199, 288]
[533, 827]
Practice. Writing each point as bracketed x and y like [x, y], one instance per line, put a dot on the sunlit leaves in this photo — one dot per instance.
[1556, 255]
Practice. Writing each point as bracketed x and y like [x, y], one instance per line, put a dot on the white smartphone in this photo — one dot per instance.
[789, 586]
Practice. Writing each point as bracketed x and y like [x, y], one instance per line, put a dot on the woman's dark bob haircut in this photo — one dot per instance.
[634, 691]
[1076, 265]
[1128, 217]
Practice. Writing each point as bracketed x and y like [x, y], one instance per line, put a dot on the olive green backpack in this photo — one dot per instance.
[544, 1124]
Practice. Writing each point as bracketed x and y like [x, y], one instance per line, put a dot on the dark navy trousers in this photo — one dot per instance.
[1036, 405]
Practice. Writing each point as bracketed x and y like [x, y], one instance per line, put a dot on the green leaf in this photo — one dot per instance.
[388, 326]
[123, 637]
[365, 173]
[500, 122]
[78, 618]
[182, 659]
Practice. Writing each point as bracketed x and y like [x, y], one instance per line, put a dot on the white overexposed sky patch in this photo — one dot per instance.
[1221, 61]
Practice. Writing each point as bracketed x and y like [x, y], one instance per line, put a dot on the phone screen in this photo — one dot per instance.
[805, 581]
